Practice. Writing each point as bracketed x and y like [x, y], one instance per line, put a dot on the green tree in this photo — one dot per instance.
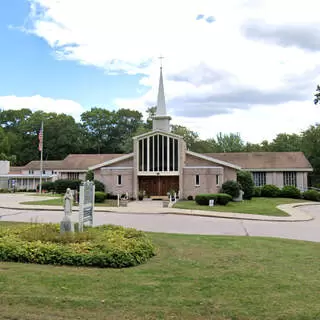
[230, 142]
[285, 142]
[317, 95]
[190, 137]
[310, 145]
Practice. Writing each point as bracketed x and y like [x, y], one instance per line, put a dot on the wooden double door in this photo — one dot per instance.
[158, 185]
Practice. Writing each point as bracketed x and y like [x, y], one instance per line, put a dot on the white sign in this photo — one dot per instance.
[86, 203]
[211, 203]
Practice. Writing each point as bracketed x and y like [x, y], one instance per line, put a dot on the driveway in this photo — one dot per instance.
[171, 223]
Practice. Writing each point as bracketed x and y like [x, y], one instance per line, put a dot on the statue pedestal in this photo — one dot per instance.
[66, 225]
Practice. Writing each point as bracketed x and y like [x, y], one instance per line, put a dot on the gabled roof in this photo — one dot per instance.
[47, 164]
[214, 160]
[153, 132]
[111, 161]
[85, 161]
[265, 160]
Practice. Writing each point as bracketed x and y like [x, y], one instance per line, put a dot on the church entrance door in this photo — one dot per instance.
[158, 185]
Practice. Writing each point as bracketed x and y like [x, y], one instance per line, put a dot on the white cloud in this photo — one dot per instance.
[126, 36]
[37, 102]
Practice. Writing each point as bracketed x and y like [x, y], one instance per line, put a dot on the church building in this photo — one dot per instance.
[161, 163]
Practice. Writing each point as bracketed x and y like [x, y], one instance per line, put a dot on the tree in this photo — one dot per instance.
[285, 142]
[229, 142]
[317, 95]
[310, 145]
[189, 136]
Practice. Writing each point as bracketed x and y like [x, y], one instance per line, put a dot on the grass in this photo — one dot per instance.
[58, 201]
[262, 206]
[192, 277]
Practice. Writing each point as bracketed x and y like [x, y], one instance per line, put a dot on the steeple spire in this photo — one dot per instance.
[161, 121]
[161, 104]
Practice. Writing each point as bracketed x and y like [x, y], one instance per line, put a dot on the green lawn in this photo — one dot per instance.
[263, 206]
[59, 202]
[192, 277]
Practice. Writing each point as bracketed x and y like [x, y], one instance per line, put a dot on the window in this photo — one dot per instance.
[217, 180]
[197, 180]
[119, 180]
[30, 171]
[43, 171]
[158, 153]
[72, 176]
[259, 178]
[290, 178]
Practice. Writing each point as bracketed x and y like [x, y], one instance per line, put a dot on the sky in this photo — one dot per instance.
[240, 66]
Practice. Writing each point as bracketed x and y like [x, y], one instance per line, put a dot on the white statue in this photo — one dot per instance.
[68, 202]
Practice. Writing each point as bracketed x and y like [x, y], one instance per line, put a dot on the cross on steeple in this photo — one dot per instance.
[161, 58]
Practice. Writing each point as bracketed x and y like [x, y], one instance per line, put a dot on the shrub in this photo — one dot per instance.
[231, 187]
[223, 198]
[245, 180]
[290, 192]
[190, 198]
[90, 175]
[99, 186]
[219, 198]
[103, 246]
[49, 186]
[257, 191]
[99, 196]
[311, 195]
[61, 185]
[270, 190]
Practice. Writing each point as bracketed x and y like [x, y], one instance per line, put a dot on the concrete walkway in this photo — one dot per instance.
[12, 201]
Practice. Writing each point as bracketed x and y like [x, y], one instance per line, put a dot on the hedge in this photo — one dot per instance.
[219, 198]
[311, 195]
[270, 191]
[257, 191]
[99, 197]
[290, 192]
[60, 186]
[231, 187]
[103, 246]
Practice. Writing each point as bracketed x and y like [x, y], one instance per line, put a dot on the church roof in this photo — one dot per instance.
[265, 160]
[46, 164]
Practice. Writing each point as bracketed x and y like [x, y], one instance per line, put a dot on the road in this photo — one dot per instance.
[170, 223]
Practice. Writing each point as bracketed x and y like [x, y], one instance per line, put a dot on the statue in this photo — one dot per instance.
[67, 202]
[66, 225]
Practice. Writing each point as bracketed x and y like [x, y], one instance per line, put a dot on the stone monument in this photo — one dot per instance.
[66, 225]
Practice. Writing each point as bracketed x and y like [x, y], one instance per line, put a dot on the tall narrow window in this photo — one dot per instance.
[119, 180]
[290, 178]
[197, 180]
[145, 154]
[259, 178]
[165, 150]
[176, 155]
[217, 180]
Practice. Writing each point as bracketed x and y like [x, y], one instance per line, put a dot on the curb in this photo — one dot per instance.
[235, 216]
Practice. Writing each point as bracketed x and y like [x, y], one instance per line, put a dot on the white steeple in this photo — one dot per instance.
[161, 121]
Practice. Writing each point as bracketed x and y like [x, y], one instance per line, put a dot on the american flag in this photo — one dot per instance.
[40, 136]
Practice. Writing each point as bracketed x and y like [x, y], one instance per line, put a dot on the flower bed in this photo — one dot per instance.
[103, 246]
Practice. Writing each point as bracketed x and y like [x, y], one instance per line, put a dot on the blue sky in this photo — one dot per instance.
[240, 66]
[29, 67]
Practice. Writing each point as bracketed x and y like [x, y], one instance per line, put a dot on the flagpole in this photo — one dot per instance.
[41, 156]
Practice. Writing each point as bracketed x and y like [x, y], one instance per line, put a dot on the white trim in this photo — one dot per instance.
[71, 170]
[154, 132]
[223, 163]
[115, 160]
[203, 167]
[116, 168]
[280, 170]
[158, 173]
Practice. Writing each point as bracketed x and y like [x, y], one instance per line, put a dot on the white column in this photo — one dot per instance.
[148, 154]
[168, 154]
[158, 154]
[153, 152]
